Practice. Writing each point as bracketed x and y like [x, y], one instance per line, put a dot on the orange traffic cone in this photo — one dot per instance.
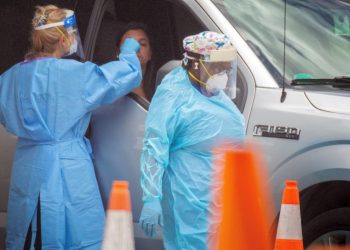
[246, 211]
[118, 230]
[289, 233]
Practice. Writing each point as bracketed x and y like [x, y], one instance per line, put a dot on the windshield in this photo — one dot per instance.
[317, 35]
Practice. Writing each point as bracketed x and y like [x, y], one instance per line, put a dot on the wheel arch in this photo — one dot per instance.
[313, 169]
[323, 173]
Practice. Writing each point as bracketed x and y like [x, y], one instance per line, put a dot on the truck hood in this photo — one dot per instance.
[331, 102]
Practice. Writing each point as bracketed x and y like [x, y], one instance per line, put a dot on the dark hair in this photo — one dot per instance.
[149, 77]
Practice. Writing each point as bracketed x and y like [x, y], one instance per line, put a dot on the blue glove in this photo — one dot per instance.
[151, 216]
[130, 45]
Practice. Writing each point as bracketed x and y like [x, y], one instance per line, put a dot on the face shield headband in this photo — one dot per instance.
[69, 23]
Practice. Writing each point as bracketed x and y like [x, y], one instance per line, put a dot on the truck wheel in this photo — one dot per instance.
[331, 228]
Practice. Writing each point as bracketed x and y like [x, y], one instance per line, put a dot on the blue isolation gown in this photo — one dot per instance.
[182, 127]
[47, 104]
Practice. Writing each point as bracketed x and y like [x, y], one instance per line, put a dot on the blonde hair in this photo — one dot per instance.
[44, 42]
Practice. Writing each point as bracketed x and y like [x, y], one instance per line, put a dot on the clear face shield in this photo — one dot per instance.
[216, 71]
[70, 24]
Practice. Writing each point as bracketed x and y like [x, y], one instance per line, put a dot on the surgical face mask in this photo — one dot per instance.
[217, 82]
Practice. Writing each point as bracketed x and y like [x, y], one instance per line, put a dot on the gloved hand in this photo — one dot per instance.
[130, 45]
[151, 216]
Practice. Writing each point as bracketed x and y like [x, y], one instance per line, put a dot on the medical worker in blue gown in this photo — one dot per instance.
[46, 102]
[190, 112]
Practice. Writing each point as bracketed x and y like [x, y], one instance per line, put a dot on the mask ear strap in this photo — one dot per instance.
[205, 68]
[196, 79]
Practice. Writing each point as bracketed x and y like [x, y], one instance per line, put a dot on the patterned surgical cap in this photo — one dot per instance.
[206, 41]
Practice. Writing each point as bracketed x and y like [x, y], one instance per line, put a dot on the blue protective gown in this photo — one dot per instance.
[47, 104]
[181, 129]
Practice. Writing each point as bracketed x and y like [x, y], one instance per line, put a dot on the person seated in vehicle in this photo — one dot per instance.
[140, 32]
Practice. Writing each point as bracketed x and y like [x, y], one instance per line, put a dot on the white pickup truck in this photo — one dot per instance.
[293, 89]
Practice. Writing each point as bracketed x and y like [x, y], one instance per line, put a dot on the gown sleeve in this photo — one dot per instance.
[100, 85]
[159, 133]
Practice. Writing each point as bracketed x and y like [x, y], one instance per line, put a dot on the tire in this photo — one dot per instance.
[327, 222]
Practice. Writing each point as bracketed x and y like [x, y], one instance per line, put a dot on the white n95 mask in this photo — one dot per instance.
[217, 82]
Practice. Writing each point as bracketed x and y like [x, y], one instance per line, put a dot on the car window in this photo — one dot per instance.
[159, 16]
[169, 26]
[317, 35]
[185, 24]
[83, 10]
